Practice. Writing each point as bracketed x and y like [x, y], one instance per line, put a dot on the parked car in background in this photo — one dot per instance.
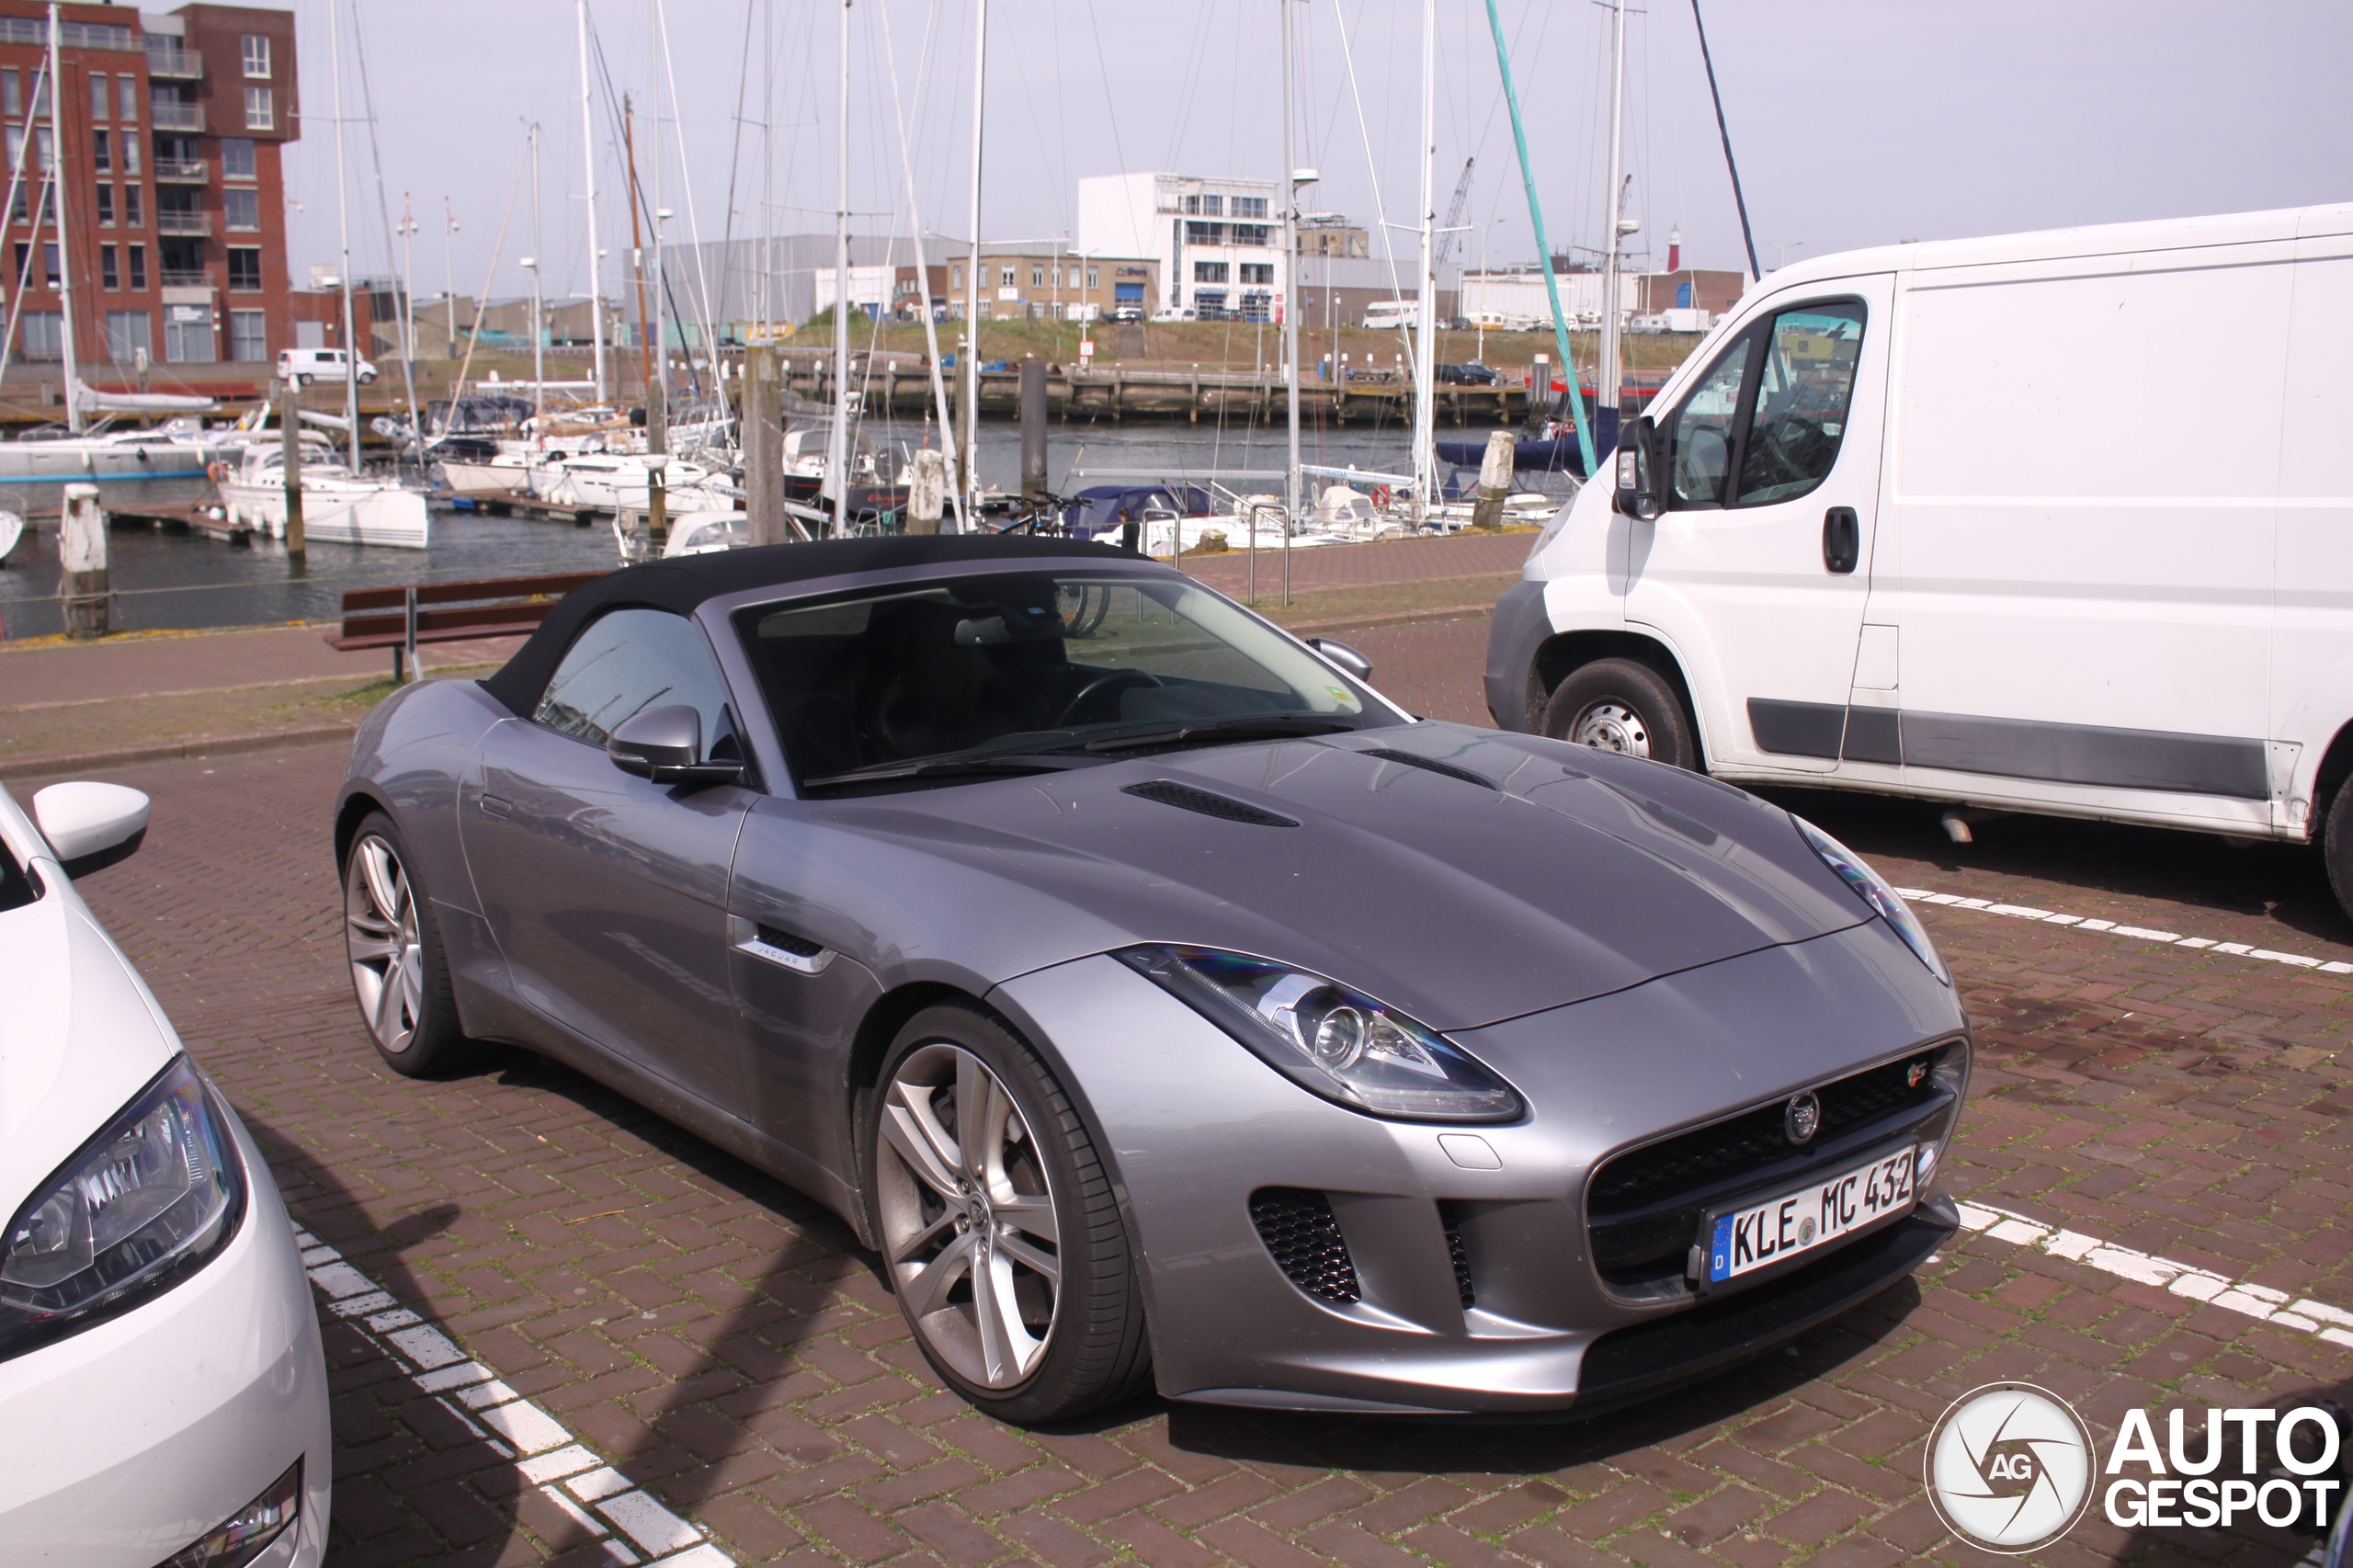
[303, 366]
[1161, 1002]
[161, 1383]
[1812, 568]
[1175, 314]
[1472, 375]
[1127, 313]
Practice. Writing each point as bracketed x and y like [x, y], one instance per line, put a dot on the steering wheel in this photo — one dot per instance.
[1778, 443]
[1100, 684]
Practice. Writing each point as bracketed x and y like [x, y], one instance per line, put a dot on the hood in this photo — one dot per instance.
[1497, 876]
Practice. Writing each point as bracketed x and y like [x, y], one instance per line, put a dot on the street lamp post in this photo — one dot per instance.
[407, 228]
[450, 267]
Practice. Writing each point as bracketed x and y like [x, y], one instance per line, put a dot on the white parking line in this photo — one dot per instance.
[2137, 933]
[542, 1448]
[2332, 1323]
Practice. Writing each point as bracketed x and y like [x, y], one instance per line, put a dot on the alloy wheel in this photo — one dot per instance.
[968, 1225]
[1613, 726]
[380, 930]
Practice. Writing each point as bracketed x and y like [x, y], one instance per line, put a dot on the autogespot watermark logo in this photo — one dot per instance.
[2011, 1467]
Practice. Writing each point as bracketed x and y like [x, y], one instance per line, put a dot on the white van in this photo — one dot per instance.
[303, 366]
[2056, 522]
[1387, 315]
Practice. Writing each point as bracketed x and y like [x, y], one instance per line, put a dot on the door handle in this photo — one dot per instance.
[1842, 539]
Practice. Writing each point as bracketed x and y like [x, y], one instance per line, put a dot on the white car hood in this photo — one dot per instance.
[79, 1031]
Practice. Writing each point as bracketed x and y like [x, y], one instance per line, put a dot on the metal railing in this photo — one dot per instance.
[170, 60]
[170, 223]
[164, 116]
[182, 171]
[185, 277]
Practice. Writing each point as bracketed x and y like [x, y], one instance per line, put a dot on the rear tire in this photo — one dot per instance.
[979, 1167]
[400, 972]
[1622, 706]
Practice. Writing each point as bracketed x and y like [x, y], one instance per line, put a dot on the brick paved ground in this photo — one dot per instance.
[723, 1343]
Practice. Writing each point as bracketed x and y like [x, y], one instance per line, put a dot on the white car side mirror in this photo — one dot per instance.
[90, 826]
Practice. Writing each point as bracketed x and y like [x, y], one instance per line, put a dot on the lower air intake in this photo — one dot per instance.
[1304, 1239]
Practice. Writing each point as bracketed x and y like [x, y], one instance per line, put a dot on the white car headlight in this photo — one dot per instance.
[138, 1209]
[1331, 1039]
[1874, 891]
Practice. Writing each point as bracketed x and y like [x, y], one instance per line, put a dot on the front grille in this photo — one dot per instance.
[1644, 1208]
[1304, 1239]
[1169, 792]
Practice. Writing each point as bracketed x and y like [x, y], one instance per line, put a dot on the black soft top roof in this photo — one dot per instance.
[680, 585]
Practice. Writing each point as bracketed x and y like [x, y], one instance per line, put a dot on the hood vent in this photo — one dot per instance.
[1428, 764]
[1169, 792]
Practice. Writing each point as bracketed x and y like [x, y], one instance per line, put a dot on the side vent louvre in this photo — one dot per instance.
[1461, 1255]
[1428, 764]
[1304, 1239]
[1169, 792]
[799, 946]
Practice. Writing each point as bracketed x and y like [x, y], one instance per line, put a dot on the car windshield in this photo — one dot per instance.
[913, 680]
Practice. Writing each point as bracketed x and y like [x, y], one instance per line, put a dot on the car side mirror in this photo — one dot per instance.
[1348, 658]
[91, 826]
[665, 745]
[1638, 470]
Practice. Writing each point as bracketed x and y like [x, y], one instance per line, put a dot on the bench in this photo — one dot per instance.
[402, 617]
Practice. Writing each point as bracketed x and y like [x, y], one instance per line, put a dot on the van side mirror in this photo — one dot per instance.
[665, 745]
[1639, 462]
[90, 826]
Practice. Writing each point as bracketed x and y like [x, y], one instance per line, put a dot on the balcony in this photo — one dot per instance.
[182, 171]
[170, 61]
[170, 223]
[185, 277]
[169, 115]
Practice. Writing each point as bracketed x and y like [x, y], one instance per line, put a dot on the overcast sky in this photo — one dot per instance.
[1856, 121]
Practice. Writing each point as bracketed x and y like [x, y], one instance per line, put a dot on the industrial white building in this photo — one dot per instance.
[1219, 241]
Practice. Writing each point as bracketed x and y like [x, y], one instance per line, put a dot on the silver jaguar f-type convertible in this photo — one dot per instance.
[1154, 997]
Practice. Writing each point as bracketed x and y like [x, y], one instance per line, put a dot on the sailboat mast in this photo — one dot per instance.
[1291, 281]
[343, 240]
[837, 443]
[1424, 328]
[588, 157]
[64, 257]
[1609, 383]
[923, 270]
[970, 458]
[637, 250]
[539, 296]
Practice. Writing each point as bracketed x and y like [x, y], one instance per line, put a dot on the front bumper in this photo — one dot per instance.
[1195, 1125]
[1518, 627]
[137, 1435]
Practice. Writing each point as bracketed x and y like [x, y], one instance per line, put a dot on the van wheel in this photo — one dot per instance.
[2336, 846]
[1621, 706]
[302, 381]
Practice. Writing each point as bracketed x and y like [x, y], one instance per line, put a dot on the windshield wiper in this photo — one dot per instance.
[1277, 726]
[945, 766]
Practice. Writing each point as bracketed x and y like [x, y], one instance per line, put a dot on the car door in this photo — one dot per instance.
[607, 893]
[1757, 573]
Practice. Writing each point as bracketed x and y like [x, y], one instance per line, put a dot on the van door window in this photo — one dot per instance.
[1701, 456]
[1798, 415]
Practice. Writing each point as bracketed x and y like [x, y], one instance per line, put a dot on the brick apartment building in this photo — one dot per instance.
[171, 128]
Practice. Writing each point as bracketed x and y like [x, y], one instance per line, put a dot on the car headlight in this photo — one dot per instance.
[1874, 891]
[138, 1209]
[1331, 1040]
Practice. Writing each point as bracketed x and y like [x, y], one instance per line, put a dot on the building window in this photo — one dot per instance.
[102, 151]
[1249, 205]
[236, 157]
[249, 335]
[956, 276]
[134, 206]
[129, 334]
[1192, 204]
[1205, 233]
[1037, 274]
[256, 55]
[245, 267]
[138, 267]
[44, 335]
[98, 95]
[241, 209]
[105, 209]
[1209, 271]
[107, 277]
[126, 98]
[49, 263]
[41, 96]
[22, 213]
[261, 113]
[1214, 206]
[187, 335]
[1257, 272]
[1094, 277]
[1250, 234]
[1004, 277]
[11, 93]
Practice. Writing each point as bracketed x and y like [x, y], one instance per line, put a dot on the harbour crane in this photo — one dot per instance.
[1452, 228]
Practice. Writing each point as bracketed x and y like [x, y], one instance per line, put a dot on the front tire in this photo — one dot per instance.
[1000, 1234]
[2336, 846]
[400, 972]
[1626, 707]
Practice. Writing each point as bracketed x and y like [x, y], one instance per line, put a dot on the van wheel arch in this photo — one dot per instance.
[1561, 656]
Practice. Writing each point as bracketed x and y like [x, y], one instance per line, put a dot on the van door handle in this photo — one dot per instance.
[1842, 539]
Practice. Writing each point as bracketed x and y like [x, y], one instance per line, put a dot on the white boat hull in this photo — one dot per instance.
[34, 462]
[485, 479]
[335, 512]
